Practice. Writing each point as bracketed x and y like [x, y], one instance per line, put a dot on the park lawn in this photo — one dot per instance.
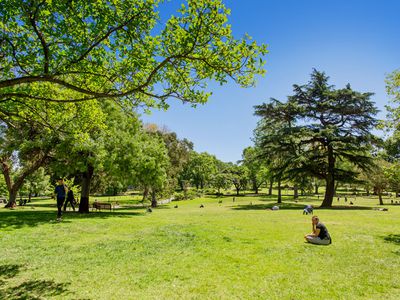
[228, 250]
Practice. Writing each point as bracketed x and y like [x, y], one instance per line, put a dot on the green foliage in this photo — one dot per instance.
[200, 169]
[256, 167]
[318, 127]
[79, 50]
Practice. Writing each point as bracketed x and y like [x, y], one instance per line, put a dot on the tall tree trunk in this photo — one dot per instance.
[13, 187]
[330, 179]
[86, 179]
[12, 198]
[255, 186]
[316, 186]
[29, 197]
[380, 196]
[279, 191]
[295, 192]
[153, 199]
[237, 191]
[271, 183]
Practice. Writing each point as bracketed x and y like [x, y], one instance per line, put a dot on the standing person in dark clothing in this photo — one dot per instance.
[320, 234]
[70, 199]
[60, 192]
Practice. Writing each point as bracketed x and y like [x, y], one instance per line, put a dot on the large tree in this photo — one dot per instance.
[256, 167]
[34, 131]
[327, 125]
[81, 50]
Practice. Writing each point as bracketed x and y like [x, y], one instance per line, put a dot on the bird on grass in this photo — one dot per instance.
[176, 206]
[149, 210]
[201, 206]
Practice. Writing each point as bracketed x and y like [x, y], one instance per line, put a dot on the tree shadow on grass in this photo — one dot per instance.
[283, 205]
[16, 219]
[34, 289]
[392, 238]
[9, 271]
[295, 206]
[31, 289]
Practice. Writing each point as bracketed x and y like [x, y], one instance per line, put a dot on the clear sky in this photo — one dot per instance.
[353, 41]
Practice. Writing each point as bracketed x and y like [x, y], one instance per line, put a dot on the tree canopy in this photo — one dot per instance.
[319, 126]
[81, 50]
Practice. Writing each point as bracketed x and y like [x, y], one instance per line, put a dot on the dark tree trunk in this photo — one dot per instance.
[255, 186]
[30, 197]
[316, 189]
[237, 191]
[13, 187]
[295, 192]
[86, 179]
[271, 183]
[153, 199]
[145, 193]
[380, 196]
[330, 179]
[279, 191]
[12, 198]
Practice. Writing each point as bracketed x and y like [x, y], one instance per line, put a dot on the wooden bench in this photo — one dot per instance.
[102, 205]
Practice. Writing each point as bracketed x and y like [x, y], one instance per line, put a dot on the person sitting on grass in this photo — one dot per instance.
[320, 234]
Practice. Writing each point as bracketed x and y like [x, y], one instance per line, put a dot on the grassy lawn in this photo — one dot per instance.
[228, 250]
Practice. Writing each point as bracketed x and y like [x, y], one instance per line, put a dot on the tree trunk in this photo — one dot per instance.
[295, 192]
[86, 179]
[237, 191]
[279, 191]
[153, 199]
[316, 189]
[380, 196]
[255, 186]
[330, 179]
[29, 197]
[12, 198]
[271, 183]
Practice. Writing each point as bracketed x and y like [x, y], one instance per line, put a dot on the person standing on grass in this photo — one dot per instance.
[320, 234]
[60, 192]
[70, 199]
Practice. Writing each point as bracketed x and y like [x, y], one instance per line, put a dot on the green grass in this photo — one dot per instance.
[230, 250]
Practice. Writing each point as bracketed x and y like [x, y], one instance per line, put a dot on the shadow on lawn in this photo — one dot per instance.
[31, 289]
[294, 206]
[15, 219]
[392, 238]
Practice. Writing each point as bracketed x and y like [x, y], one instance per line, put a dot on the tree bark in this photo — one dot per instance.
[279, 191]
[295, 192]
[271, 183]
[153, 199]
[380, 196]
[14, 187]
[86, 179]
[330, 179]
[316, 189]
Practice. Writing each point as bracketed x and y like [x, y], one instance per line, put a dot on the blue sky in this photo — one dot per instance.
[354, 41]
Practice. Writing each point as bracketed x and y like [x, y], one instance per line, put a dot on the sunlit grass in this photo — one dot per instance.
[228, 250]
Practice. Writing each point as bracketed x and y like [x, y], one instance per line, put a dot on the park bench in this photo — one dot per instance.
[102, 205]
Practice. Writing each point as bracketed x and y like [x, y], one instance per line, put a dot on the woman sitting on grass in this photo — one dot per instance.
[320, 234]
